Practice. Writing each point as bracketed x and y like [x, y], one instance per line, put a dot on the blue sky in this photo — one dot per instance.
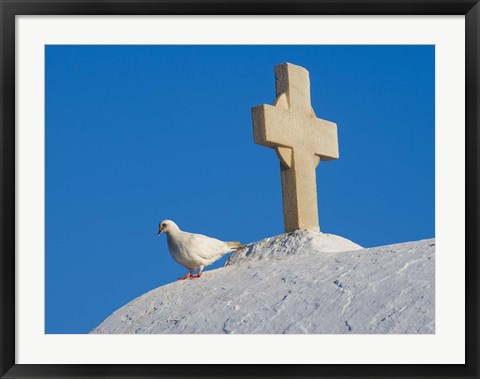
[137, 134]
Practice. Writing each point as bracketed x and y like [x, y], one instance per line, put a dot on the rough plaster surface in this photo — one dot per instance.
[295, 284]
[300, 139]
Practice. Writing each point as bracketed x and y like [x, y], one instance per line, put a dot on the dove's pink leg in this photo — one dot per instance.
[186, 276]
[199, 275]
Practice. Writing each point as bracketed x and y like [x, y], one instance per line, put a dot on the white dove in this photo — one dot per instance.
[194, 250]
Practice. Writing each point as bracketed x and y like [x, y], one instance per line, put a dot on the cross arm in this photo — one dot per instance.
[324, 139]
[272, 126]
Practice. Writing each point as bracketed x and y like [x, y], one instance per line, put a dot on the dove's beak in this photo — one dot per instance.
[160, 231]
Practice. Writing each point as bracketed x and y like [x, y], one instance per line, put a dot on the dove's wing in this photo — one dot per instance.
[207, 247]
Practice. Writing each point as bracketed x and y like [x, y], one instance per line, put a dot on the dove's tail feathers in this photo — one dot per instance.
[235, 245]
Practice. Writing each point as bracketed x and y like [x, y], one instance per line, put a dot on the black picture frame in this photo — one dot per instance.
[11, 8]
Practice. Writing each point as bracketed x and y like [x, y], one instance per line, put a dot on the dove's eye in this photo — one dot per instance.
[164, 225]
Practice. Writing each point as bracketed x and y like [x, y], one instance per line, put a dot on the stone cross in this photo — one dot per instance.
[300, 140]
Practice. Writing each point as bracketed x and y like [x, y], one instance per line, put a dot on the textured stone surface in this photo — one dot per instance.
[290, 284]
[300, 139]
[300, 242]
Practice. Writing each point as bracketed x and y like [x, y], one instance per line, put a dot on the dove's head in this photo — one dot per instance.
[167, 226]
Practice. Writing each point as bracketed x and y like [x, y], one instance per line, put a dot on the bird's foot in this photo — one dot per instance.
[199, 275]
[186, 276]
